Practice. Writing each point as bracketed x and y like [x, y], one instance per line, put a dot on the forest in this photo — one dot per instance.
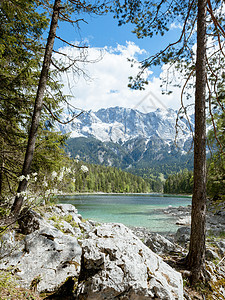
[182, 182]
[110, 180]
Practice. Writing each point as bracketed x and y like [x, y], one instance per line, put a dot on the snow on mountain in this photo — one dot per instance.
[119, 125]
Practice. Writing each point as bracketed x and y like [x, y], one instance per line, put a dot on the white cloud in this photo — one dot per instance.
[176, 26]
[108, 79]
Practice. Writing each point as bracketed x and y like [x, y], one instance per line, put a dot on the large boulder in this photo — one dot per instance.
[115, 264]
[44, 259]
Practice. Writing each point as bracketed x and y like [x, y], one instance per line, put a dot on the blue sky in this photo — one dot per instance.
[107, 79]
[104, 31]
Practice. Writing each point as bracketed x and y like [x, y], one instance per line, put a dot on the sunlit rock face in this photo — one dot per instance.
[119, 125]
[115, 264]
[86, 260]
[127, 138]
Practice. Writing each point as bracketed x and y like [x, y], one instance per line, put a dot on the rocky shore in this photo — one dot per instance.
[61, 256]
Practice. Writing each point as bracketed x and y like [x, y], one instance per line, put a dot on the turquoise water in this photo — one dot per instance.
[140, 210]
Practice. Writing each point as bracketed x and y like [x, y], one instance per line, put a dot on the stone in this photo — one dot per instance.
[184, 220]
[67, 228]
[29, 221]
[65, 209]
[183, 235]
[221, 247]
[116, 264]
[210, 254]
[86, 226]
[7, 244]
[159, 244]
[45, 258]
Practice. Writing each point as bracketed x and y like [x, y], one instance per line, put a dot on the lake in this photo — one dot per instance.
[142, 210]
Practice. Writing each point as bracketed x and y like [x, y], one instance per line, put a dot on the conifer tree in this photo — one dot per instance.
[155, 17]
[58, 12]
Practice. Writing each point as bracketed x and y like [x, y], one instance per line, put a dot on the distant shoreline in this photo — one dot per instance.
[104, 193]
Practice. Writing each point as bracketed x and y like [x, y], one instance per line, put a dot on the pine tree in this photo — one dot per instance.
[153, 17]
[20, 52]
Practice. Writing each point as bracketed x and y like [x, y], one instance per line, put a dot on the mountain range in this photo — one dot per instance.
[130, 139]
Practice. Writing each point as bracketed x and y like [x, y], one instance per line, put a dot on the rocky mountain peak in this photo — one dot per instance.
[119, 124]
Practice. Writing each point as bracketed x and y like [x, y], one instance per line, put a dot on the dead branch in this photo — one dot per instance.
[72, 45]
[215, 21]
[216, 79]
[65, 18]
[63, 69]
[184, 108]
[212, 118]
[58, 120]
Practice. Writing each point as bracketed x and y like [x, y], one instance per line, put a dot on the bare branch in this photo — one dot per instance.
[184, 108]
[216, 79]
[57, 119]
[65, 18]
[215, 21]
[212, 118]
[72, 45]
[61, 53]
[63, 69]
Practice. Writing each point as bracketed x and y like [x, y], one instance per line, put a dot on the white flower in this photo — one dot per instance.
[45, 183]
[21, 194]
[54, 174]
[35, 174]
[68, 170]
[28, 177]
[55, 191]
[60, 178]
[84, 168]
[21, 178]
[47, 193]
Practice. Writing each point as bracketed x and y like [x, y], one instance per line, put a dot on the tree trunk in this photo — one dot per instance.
[15, 210]
[196, 255]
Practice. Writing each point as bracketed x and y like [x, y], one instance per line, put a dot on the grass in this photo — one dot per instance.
[9, 289]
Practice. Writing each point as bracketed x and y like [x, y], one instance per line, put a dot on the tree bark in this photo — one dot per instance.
[15, 210]
[196, 255]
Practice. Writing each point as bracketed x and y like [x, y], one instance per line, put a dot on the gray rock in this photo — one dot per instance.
[216, 230]
[221, 247]
[7, 244]
[45, 258]
[29, 221]
[183, 235]
[86, 226]
[116, 264]
[159, 244]
[67, 228]
[65, 209]
[210, 254]
[184, 220]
